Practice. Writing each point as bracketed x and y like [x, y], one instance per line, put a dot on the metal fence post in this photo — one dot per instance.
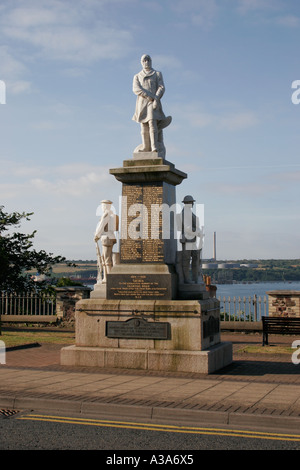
[255, 307]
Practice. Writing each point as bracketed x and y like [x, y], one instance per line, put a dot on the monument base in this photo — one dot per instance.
[156, 335]
[202, 362]
[192, 291]
[99, 291]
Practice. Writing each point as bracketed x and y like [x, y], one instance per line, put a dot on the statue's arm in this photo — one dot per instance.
[160, 86]
[100, 226]
[140, 91]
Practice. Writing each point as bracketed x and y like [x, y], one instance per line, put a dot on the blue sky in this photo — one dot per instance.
[228, 67]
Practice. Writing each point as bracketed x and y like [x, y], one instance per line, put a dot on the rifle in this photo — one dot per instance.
[99, 261]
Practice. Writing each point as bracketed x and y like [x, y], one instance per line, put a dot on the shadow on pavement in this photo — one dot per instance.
[258, 368]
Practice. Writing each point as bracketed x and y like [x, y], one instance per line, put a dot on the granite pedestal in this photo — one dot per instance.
[143, 317]
[153, 335]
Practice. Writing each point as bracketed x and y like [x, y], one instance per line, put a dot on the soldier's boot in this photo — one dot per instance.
[153, 135]
[146, 144]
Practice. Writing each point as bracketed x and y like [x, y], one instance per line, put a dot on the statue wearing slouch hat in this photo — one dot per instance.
[105, 233]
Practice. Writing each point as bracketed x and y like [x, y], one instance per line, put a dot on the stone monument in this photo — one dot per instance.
[149, 314]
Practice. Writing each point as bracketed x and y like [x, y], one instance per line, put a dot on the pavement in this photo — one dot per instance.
[260, 391]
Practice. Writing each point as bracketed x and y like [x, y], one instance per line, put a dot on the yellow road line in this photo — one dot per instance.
[162, 427]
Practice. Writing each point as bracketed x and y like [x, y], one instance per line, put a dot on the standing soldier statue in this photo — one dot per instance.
[149, 87]
[191, 242]
[105, 232]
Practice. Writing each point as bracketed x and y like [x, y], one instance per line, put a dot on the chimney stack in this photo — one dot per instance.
[215, 247]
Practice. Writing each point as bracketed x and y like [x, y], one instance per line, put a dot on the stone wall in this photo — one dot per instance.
[66, 298]
[284, 303]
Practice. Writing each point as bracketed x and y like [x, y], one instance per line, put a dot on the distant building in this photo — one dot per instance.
[249, 265]
[228, 265]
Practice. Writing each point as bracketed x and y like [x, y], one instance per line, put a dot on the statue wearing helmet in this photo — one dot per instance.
[191, 234]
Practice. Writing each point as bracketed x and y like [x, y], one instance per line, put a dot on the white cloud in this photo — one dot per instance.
[48, 125]
[232, 121]
[271, 12]
[12, 71]
[10, 67]
[196, 117]
[69, 32]
[246, 189]
[202, 119]
[71, 186]
[290, 21]
[245, 6]
[238, 121]
[166, 61]
[11, 191]
[289, 176]
[200, 12]
[273, 182]
[18, 86]
[71, 180]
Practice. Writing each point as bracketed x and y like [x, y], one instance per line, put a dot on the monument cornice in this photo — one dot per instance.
[148, 171]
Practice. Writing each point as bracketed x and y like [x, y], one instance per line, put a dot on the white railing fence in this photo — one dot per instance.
[31, 303]
[250, 308]
[27, 303]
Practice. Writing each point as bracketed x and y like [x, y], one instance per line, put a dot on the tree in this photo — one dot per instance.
[18, 257]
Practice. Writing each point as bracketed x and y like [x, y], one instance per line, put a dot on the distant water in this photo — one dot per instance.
[249, 289]
[245, 292]
[255, 288]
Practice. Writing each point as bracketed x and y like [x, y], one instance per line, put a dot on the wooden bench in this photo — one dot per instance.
[280, 326]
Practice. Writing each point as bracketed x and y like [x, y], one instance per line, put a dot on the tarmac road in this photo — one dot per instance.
[39, 431]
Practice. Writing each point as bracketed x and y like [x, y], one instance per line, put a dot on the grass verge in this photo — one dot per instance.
[268, 349]
[15, 338]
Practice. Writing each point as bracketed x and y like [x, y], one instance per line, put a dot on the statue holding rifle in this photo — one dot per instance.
[191, 240]
[105, 233]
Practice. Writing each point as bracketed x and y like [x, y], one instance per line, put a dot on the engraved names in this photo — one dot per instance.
[141, 226]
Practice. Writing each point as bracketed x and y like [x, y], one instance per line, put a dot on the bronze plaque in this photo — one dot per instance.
[137, 328]
[139, 286]
[141, 225]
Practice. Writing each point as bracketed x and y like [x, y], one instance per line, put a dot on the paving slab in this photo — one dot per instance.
[255, 390]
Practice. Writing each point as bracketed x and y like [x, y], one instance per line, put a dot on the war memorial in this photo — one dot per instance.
[150, 309]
